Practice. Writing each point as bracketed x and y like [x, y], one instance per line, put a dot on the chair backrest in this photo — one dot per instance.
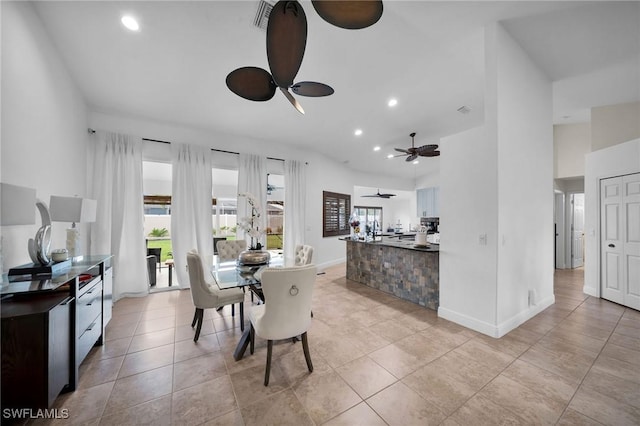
[287, 294]
[304, 255]
[199, 288]
[230, 249]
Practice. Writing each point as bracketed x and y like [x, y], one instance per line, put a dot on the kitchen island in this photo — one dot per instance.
[396, 266]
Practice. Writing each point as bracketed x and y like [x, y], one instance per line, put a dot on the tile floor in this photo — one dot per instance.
[378, 361]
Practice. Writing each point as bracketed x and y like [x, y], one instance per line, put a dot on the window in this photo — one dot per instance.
[370, 217]
[275, 211]
[336, 210]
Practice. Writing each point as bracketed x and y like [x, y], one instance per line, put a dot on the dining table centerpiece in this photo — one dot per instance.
[251, 225]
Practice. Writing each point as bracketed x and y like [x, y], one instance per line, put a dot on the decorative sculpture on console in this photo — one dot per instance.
[39, 246]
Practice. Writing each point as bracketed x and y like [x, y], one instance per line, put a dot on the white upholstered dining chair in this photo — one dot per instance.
[303, 255]
[286, 312]
[230, 249]
[207, 295]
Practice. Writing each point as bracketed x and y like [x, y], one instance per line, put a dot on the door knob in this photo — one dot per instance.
[612, 245]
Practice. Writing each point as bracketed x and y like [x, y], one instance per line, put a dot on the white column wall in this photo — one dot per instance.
[497, 181]
[44, 126]
[525, 185]
[468, 209]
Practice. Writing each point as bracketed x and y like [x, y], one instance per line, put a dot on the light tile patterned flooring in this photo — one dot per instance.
[378, 360]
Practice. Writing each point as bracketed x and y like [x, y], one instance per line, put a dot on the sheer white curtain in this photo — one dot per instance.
[191, 212]
[295, 186]
[119, 225]
[252, 179]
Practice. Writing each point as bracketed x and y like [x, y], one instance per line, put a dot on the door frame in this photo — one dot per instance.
[570, 231]
[559, 220]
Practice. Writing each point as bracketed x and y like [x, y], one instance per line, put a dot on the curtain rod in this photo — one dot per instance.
[91, 131]
[212, 149]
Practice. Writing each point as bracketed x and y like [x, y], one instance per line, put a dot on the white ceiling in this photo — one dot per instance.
[428, 55]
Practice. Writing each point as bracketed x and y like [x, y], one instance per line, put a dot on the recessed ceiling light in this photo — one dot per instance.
[376, 148]
[415, 161]
[130, 22]
[392, 102]
[358, 132]
[390, 156]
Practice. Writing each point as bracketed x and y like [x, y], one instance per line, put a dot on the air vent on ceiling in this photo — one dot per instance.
[262, 14]
[464, 109]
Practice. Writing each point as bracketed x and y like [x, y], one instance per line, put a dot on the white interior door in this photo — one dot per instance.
[577, 230]
[620, 239]
[631, 206]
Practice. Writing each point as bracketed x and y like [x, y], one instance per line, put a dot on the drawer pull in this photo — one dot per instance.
[93, 324]
[68, 300]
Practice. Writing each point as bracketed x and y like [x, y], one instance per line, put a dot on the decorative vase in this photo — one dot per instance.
[254, 257]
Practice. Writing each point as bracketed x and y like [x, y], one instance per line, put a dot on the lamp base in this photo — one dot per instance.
[37, 269]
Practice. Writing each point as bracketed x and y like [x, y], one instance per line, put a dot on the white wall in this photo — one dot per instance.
[525, 185]
[616, 160]
[614, 124]
[44, 125]
[323, 174]
[468, 209]
[497, 183]
[571, 143]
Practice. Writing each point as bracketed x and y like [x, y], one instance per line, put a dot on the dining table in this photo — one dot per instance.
[231, 274]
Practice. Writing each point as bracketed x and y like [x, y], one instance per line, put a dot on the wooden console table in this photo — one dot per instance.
[49, 325]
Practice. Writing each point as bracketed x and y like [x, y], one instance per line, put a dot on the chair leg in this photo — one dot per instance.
[307, 355]
[241, 316]
[268, 368]
[195, 318]
[233, 310]
[200, 314]
[252, 338]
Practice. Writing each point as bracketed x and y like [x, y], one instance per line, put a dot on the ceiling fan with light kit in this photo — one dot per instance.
[286, 42]
[421, 151]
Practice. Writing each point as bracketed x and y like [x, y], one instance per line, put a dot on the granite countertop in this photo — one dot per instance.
[408, 244]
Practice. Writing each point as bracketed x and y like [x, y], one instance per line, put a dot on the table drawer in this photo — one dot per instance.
[88, 307]
[88, 338]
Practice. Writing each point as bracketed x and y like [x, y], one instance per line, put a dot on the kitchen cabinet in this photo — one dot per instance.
[427, 202]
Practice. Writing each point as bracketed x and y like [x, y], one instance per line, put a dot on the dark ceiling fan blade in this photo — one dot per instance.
[401, 150]
[251, 83]
[426, 148]
[311, 88]
[348, 14]
[430, 154]
[293, 100]
[286, 41]
[411, 157]
[379, 195]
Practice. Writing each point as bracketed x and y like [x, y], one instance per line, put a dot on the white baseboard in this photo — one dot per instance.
[467, 321]
[524, 316]
[496, 330]
[591, 291]
[334, 262]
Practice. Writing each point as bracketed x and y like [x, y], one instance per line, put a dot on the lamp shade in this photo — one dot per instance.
[72, 209]
[17, 205]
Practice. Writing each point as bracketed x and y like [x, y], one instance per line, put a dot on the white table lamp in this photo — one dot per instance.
[16, 208]
[74, 210]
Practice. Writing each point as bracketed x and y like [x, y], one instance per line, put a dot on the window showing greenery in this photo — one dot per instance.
[370, 217]
[336, 209]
